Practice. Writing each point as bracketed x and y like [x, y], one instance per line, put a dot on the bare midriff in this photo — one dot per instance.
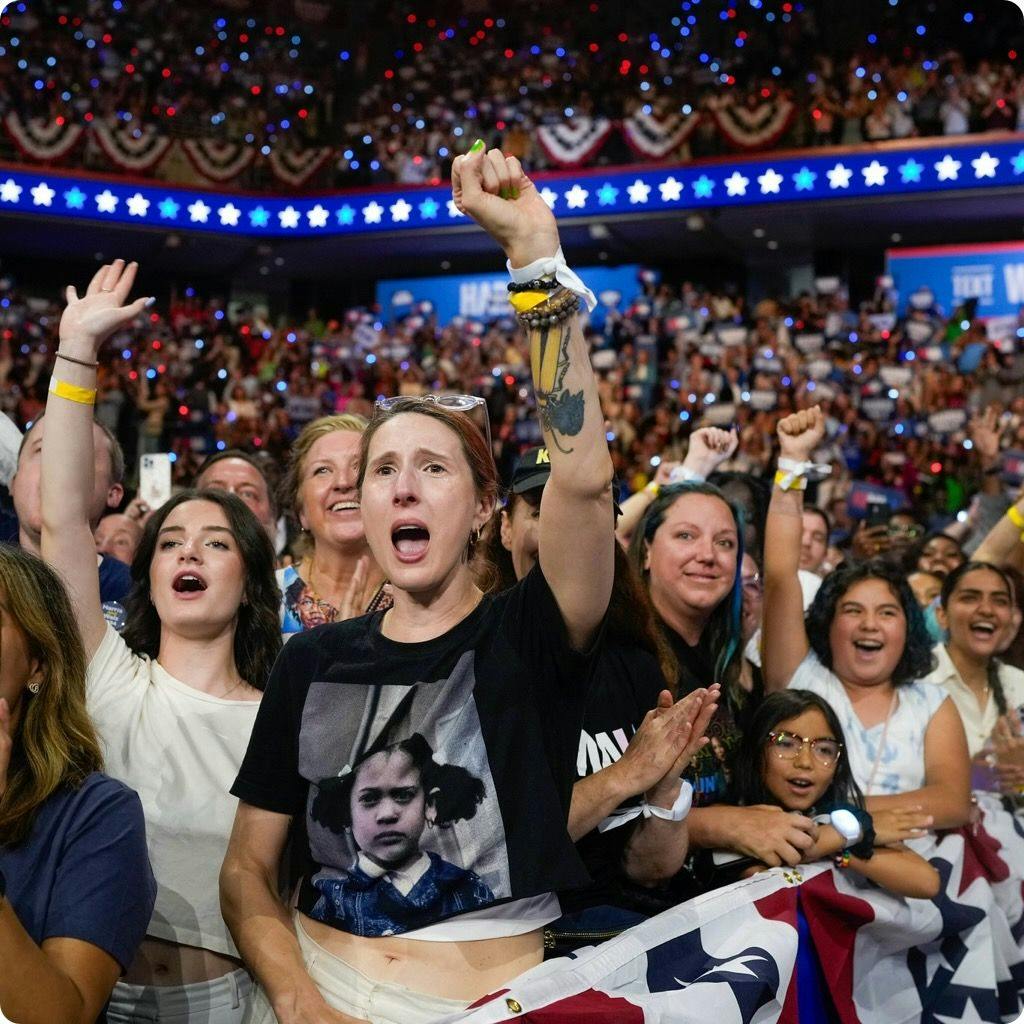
[162, 963]
[454, 970]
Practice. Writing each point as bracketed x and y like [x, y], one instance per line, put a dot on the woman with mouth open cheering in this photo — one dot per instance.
[863, 649]
[493, 685]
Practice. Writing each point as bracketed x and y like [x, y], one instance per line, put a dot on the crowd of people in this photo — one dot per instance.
[533, 716]
[398, 105]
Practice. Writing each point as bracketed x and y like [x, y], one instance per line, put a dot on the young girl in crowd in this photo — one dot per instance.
[76, 891]
[979, 614]
[793, 756]
[336, 577]
[863, 649]
[494, 684]
[175, 698]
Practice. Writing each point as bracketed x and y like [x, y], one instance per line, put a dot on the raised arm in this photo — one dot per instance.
[784, 636]
[576, 543]
[68, 473]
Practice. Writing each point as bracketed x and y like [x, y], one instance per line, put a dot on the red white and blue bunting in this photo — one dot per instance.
[134, 150]
[296, 166]
[757, 127]
[218, 161]
[575, 141]
[43, 140]
[655, 138]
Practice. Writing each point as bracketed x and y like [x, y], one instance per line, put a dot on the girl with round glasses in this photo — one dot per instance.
[792, 757]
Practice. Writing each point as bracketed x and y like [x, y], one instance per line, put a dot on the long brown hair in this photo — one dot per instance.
[55, 744]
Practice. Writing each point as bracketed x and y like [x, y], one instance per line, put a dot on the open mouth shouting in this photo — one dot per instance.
[410, 539]
[867, 648]
[983, 629]
[188, 584]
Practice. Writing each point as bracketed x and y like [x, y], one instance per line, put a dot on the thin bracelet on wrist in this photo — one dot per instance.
[76, 361]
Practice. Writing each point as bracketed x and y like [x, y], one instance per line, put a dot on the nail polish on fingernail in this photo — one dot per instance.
[505, 194]
[515, 193]
[477, 146]
[150, 301]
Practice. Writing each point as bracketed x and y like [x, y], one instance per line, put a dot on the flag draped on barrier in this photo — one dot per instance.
[792, 946]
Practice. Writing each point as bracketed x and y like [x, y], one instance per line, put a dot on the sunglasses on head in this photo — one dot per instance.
[472, 405]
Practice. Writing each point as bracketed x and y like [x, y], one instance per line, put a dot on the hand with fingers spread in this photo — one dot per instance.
[801, 433]
[895, 825]
[985, 432]
[88, 321]
[709, 448]
[353, 604]
[494, 190]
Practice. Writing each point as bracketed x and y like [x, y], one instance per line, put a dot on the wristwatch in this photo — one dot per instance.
[857, 828]
[846, 824]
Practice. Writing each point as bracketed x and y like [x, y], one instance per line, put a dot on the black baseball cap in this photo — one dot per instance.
[532, 470]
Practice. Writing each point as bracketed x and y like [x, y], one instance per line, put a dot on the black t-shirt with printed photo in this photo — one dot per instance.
[426, 779]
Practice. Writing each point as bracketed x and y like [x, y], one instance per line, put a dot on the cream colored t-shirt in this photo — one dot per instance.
[179, 749]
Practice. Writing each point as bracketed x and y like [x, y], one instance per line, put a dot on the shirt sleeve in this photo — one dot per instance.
[104, 889]
[115, 685]
[269, 776]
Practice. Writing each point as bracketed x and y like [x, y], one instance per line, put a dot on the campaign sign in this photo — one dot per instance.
[863, 494]
[485, 296]
[992, 273]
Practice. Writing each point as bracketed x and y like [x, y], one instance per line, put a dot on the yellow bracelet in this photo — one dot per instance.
[522, 302]
[652, 489]
[797, 483]
[1013, 514]
[72, 392]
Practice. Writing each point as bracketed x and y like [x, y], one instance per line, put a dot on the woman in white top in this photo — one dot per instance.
[977, 610]
[175, 698]
[862, 648]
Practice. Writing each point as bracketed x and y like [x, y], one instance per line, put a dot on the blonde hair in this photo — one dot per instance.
[55, 744]
[309, 435]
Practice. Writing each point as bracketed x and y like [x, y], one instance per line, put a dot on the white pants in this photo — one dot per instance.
[222, 1001]
[345, 989]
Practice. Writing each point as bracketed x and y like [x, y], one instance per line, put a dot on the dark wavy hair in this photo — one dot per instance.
[916, 660]
[258, 634]
[723, 630]
[914, 554]
[949, 585]
[453, 791]
[631, 620]
[748, 786]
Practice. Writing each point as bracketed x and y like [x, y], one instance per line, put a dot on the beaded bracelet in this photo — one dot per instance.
[843, 860]
[552, 312]
[538, 284]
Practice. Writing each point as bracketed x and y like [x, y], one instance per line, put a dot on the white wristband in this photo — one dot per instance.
[556, 267]
[678, 811]
[793, 470]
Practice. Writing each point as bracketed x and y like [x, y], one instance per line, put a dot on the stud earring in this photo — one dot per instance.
[33, 688]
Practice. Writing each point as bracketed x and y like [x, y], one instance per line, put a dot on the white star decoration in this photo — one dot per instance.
[400, 210]
[638, 191]
[839, 177]
[42, 194]
[874, 173]
[985, 166]
[947, 168]
[229, 215]
[373, 212]
[138, 205]
[289, 217]
[549, 196]
[454, 211]
[317, 217]
[576, 197]
[736, 184]
[199, 212]
[10, 191]
[106, 201]
[671, 190]
[769, 181]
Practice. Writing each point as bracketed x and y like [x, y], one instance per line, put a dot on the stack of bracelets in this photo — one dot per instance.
[536, 305]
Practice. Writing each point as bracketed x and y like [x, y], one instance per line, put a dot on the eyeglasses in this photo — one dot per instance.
[787, 745]
[472, 405]
[906, 531]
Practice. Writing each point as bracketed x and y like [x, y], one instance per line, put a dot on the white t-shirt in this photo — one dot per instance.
[978, 722]
[901, 762]
[180, 750]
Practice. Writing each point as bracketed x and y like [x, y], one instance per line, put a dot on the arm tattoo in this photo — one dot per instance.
[561, 411]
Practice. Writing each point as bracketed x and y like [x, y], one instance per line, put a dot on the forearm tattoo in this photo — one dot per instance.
[561, 411]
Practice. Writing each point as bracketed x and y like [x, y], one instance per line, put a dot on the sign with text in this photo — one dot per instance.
[993, 274]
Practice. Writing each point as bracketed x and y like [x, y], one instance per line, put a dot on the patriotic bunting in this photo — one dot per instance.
[132, 149]
[757, 127]
[575, 141]
[654, 138]
[296, 166]
[218, 161]
[42, 140]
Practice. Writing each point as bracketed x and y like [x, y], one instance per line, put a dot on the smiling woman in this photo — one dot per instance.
[175, 697]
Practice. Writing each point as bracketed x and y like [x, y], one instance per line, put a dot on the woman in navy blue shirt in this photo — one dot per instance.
[76, 890]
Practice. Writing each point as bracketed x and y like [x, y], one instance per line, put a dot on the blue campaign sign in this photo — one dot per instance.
[993, 274]
[485, 296]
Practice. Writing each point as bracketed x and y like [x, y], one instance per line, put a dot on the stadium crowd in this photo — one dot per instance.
[399, 104]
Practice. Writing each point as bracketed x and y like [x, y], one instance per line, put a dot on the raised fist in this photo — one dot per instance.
[801, 433]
